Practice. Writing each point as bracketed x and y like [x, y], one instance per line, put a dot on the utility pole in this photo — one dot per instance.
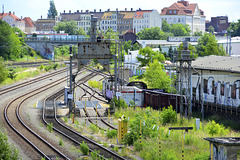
[70, 102]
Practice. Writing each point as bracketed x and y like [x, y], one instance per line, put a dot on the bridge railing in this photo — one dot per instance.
[57, 39]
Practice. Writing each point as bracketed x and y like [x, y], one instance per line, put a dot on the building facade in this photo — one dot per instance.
[13, 20]
[220, 24]
[45, 25]
[185, 13]
[146, 19]
[29, 25]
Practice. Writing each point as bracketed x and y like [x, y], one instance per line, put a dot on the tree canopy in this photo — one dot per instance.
[156, 77]
[207, 45]
[179, 29]
[153, 33]
[211, 29]
[52, 12]
[69, 27]
[165, 26]
[148, 55]
[235, 27]
[81, 31]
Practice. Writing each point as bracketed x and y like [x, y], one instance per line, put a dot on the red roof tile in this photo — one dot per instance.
[139, 14]
[182, 8]
[10, 14]
[28, 22]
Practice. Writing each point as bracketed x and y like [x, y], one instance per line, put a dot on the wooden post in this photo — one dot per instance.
[182, 146]
[85, 112]
[140, 133]
[160, 143]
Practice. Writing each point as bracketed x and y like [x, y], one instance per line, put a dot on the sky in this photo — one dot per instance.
[35, 8]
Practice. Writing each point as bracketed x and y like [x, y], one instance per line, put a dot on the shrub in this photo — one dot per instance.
[84, 148]
[54, 66]
[214, 128]
[138, 146]
[41, 67]
[111, 133]
[129, 138]
[168, 115]
[12, 73]
[119, 103]
[93, 128]
[60, 142]
[50, 127]
[47, 68]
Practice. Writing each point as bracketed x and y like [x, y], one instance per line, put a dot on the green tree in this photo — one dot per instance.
[197, 33]
[127, 46]
[165, 26]
[136, 46]
[211, 29]
[192, 50]
[156, 77]
[19, 32]
[3, 71]
[207, 45]
[148, 55]
[179, 29]
[81, 31]
[6, 150]
[52, 12]
[10, 45]
[69, 27]
[153, 33]
[235, 27]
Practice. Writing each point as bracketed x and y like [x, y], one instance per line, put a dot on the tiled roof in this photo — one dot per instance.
[10, 14]
[139, 14]
[181, 9]
[28, 22]
[128, 15]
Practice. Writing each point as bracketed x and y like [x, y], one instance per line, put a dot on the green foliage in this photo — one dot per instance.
[127, 46]
[55, 66]
[207, 45]
[119, 103]
[111, 134]
[84, 148]
[52, 12]
[94, 128]
[235, 27]
[12, 73]
[95, 84]
[198, 33]
[214, 128]
[69, 27]
[81, 31]
[60, 142]
[192, 50]
[148, 55]
[115, 149]
[168, 115]
[202, 156]
[94, 155]
[138, 146]
[48, 68]
[156, 77]
[19, 32]
[3, 70]
[153, 33]
[165, 26]
[6, 150]
[211, 30]
[50, 127]
[41, 67]
[136, 46]
[179, 29]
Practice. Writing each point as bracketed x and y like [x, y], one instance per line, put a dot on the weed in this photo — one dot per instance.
[60, 142]
[168, 115]
[138, 146]
[65, 119]
[94, 154]
[93, 128]
[84, 148]
[105, 144]
[214, 128]
[50, 127]
[111, 133]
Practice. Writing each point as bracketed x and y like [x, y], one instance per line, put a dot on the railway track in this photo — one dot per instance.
[49, 116]
[13, 118]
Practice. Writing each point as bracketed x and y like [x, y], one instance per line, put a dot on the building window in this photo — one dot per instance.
[174, 11]
[170, 12]
[179, 20]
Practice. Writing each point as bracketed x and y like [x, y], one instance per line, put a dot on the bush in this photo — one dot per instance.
[168, 115]
[54, 66]
[12, 73]
[118, 103]
[111, 133]
[47, 68]
[50, 127]
[138, 146]
[214, 128]
[93, 128]
[94, 155]
[129, 138]
[84, 148]
[41, 67]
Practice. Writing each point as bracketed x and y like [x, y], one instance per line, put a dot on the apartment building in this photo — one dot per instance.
[125, 21]
[109, 20]
[13, 20]
[146, 19]
[45, 25]
[185, 13]
[29, 25]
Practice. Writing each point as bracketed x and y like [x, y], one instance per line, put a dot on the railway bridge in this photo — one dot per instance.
[45, 45]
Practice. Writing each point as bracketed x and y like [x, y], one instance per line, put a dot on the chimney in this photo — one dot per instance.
[69, 11]
[95, 10]
[41, 17]
[77, 11]
[3, 8]
[14, 14]
[131, 9]
[86, 11]
[64, 11]
[125, 9]
[108, 10]
[100, 10]
[9, 12]
[21, 17]
[117, 9]
[81, 11]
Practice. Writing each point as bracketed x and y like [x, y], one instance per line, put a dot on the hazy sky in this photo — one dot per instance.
[36, 8]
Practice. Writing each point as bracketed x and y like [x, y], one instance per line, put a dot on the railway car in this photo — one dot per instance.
[219, 92]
